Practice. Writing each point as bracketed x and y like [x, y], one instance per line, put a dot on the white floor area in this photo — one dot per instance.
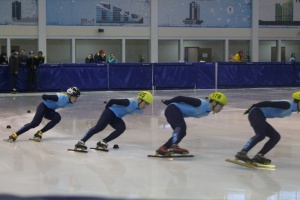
[30, 168]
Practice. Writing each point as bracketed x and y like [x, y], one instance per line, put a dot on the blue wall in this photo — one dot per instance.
[131, 76]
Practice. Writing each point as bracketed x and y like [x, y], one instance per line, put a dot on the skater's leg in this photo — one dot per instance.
[119, 125]
[103, 121]
[54, 118]
[260, 126]
[37, 119]
[176, 120]
[274, 139]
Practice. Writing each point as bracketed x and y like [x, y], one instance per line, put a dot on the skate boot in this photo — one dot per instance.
[163, 151]
[176, 149]
[12, 138]
[80, 145]
[38, 136]
[242, 155]
[102, 145]
[259, 158]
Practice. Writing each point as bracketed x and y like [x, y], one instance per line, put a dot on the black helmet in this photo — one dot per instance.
[73, 91]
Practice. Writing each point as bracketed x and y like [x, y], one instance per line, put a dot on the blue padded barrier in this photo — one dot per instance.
[205, 75]
[275, 74]
[5, 84]
[130, 76]
[174, 75]
[49, 77]
[90, 76]
[297, 74]
[94, 76]
[237, 74]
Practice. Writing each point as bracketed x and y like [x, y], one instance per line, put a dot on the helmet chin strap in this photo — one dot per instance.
[140, 103]
[213, 107]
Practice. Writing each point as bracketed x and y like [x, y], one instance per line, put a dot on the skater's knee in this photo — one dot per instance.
[259, 137]
[34, 124]
[57, 118]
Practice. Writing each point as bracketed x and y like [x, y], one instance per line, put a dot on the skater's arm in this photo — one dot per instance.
[181, 99]
[121, 102]
[274, 104]
[271, 104]
[50, 97]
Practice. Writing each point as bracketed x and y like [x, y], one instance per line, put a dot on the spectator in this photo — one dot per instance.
[238, 56]
[3, 59]
[14, 67]
[23, 57]
[141, 59]
[40, 58]
[100, 57]
[293, 58]
[89, 58]
[112, 58]
[32, 64]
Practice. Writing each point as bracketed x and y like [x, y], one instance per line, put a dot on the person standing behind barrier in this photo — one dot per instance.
[3, 59]
[89, 59]
[14, 68]
[23, 57]
[293, 58]
[40, 58]
[31, 64]
[100, 57]
[238, 56]
[112, 58]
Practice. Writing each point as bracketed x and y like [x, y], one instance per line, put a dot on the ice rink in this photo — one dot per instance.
[29, 168]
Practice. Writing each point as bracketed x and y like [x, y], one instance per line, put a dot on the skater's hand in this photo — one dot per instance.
[248, 110]
[166, 102]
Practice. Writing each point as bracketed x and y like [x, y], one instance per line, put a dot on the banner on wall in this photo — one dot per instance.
[205, 13]
[19, 12]
[97, 12]
[279, 13]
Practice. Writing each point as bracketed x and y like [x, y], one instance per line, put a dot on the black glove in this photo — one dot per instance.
[166, 102]
[248, 110]
[44, 97]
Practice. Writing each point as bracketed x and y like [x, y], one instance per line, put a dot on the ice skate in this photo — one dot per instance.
[102, 145]
[242, 155]
[80, 145]
[12, 138]
[163, 151]
[177, 150]
[260, 159]
[37, 137]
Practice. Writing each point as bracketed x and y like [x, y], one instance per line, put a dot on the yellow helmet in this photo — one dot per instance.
[218, 97]
[146, 96]
[296, 95]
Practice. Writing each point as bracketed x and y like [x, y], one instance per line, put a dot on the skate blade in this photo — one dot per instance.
[170, 156]
[249, 165]
[262, 165]
[34, 139]
[8, 140]
[99, 149]
[78, 150]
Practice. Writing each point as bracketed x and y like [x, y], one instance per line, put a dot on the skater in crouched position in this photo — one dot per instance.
[115, 109]
[257, 115]
[46, 109]
[181, 107]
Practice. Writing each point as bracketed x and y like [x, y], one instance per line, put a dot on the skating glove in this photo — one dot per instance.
[166, 102]
[248, 110]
